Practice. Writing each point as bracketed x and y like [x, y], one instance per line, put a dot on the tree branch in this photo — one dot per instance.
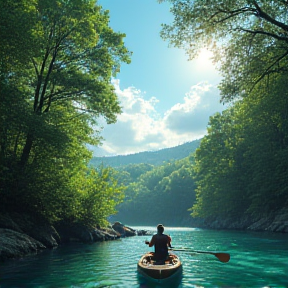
[280, 38]
[269, 68]
[268, 18]
[64, 95]
[232, 13]
[35, 67]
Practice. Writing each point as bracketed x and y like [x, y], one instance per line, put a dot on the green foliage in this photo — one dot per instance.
[240, 168]
[248, 38]
[240, 165]
[163, 194]
[136, 170]
[98, 196]
[57, 59]
[148, 157]
[267, 151]
[218, 169]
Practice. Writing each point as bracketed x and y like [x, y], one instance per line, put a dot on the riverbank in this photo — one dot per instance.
[21, 235]
[275, 221]
[257, 260]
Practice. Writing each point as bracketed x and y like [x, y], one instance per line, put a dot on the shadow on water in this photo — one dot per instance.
[145, 282]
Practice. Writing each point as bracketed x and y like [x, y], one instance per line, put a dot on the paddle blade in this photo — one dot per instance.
[223, 257]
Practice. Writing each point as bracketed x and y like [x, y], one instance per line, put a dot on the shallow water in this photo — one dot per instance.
[258, 259]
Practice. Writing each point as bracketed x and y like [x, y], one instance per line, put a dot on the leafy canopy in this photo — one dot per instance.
[248, 38]
[57, 60]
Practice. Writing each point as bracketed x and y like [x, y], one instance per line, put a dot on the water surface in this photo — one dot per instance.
[258, 260]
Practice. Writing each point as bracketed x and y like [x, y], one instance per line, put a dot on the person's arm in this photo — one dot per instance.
[151, 243]
[169, 241]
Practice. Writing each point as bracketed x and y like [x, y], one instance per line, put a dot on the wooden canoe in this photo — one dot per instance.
[160, 271]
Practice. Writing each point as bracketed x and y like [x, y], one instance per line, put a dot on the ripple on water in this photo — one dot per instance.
[257, 260]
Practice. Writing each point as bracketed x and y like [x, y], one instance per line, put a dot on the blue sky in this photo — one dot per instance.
[166, 99]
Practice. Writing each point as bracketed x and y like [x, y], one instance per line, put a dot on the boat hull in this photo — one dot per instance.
[160, 272]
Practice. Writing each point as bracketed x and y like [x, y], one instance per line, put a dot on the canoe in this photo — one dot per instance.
[160, 271]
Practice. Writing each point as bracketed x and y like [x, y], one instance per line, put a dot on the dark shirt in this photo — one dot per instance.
[161, 243]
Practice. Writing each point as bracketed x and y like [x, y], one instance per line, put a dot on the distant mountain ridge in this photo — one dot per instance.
[148, 157]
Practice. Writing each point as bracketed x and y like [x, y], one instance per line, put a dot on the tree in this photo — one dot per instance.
[55, 83]
[240, 165]
[166, 192]
[248, 37]
[99, 196]
[219, 173]
[266, 146]
[77, 54]
[73, 56]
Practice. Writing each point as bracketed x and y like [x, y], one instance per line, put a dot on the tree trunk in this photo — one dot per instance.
[26, 150]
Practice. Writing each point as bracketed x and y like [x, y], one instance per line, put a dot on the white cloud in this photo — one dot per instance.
[192, 115]
[141, 128]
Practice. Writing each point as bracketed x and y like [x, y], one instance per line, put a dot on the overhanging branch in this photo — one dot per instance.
[269, 68]
[280, 38]
[268, 18]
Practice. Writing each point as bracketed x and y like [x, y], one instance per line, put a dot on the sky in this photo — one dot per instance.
[166, 100]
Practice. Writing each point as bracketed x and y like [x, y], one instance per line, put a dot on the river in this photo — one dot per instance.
[258, 259]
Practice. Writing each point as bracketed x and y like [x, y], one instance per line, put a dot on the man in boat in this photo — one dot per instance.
[161, 242]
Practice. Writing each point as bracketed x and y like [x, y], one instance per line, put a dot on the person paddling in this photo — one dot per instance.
[161, 242]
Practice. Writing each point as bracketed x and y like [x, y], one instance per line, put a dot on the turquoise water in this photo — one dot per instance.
[257, 260]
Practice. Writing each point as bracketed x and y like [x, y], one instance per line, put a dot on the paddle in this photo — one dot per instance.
[223, 257]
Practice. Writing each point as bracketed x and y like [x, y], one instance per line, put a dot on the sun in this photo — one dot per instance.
[202, 68]
[204, 59]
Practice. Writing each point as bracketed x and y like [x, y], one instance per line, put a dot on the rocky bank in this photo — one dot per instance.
[21, 235]
[275, 221]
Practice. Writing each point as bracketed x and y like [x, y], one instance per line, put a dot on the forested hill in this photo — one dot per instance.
[152, 157]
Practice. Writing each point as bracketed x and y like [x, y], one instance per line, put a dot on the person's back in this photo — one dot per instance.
[161, 242]
[161, 248]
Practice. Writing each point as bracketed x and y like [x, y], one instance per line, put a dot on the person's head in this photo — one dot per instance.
[160, 228]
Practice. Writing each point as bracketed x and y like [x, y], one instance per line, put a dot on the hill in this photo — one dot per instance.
[149, 157]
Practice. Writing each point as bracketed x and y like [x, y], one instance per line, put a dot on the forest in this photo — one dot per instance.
[57, 60]
[158, 193]
[148, 157]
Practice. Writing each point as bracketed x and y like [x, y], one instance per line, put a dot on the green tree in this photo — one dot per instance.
[219, 172]
[99, 193]
[162, 194]
[266, 145]
[77, 55]
[55, 84]
[249, 38]
[240, 168]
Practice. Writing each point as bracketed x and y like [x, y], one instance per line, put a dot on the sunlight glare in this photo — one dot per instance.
[204, 59]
